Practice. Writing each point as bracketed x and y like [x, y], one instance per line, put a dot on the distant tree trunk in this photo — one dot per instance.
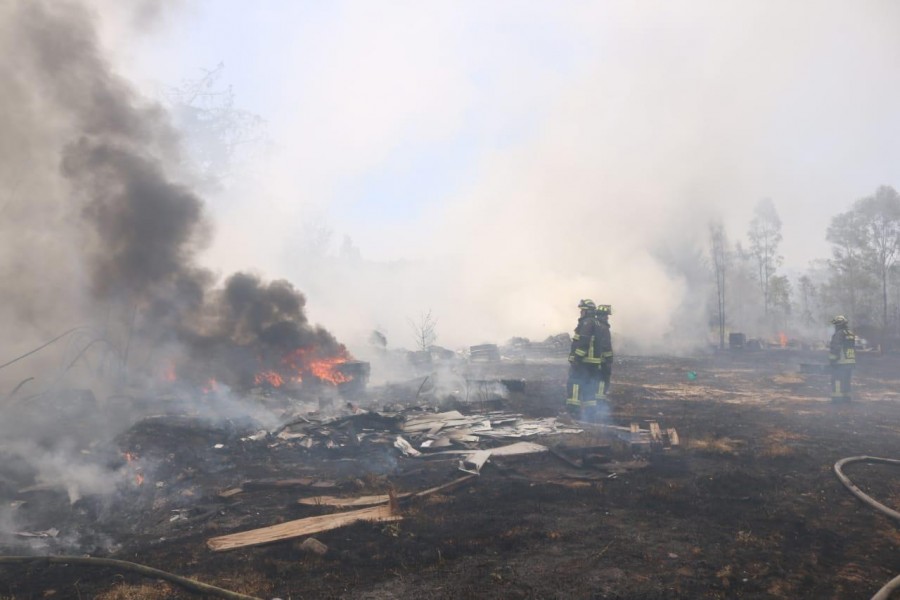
[718, 249]
[424, 331]
[765, 235]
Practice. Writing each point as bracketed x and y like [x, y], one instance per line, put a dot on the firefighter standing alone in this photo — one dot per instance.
[590, 359]
[842, 357]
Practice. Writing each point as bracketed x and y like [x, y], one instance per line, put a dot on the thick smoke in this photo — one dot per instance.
[496, 162]
[131, 227]
[101, 233]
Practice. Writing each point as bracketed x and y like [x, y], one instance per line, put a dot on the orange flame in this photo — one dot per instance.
[169, 373]
[211, 386]
[326, 369]
[270, 377]
[302, 362]
[138, 476]
[782, 339]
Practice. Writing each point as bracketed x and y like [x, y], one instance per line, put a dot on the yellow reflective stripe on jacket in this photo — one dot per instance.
[591, 357]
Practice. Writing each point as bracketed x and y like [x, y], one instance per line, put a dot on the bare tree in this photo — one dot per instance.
[807, 297]
[424, 330]
[881, 216]
[216, 133]
[765, 235]
[718, 248]
[846, 233]
[780, 291]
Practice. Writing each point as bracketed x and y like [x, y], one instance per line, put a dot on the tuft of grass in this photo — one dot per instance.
[776, 443]
[125, 591]
[723, 446]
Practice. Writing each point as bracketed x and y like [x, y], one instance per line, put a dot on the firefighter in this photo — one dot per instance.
[842, 356]
[603, 351]
[579, 382]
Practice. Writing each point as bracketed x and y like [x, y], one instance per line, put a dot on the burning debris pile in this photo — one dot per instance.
[130, 228]
[173, 472]
[148, 330]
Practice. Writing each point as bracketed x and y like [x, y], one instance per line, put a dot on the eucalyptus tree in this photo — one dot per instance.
[881, 216]
[718, 249]
[846, 233]
[765, 235]
[865, 246]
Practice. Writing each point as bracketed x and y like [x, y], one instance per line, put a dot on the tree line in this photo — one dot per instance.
[861, 278]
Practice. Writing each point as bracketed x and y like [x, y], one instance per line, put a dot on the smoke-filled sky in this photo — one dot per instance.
[496, 162]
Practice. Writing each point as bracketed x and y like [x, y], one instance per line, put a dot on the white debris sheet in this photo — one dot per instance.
[438, 428]
[418, 433]
[433, 432]
[472, 462]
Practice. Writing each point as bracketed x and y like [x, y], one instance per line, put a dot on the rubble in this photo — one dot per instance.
[313, 546]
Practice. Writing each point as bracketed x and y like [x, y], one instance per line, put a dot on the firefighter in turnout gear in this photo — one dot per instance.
[603, 351]
[842, 356]
[579, 382]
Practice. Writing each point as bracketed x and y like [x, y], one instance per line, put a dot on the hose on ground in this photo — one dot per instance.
[894, 584]
[188, 584]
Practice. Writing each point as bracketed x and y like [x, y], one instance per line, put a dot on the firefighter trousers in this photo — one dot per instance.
[840, 382]
[581, 388]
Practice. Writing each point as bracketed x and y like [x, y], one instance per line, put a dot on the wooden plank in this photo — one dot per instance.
[635, 432]
[473, 462]
[444, 487]
[344, 502]
[518, 448]
[380, 498]
[560, 454]
[673, 437]
[300, 527]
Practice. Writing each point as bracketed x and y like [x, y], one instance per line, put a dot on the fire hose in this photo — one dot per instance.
[894, 584]
[188, 584]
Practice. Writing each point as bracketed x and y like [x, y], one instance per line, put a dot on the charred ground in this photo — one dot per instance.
[747, 507]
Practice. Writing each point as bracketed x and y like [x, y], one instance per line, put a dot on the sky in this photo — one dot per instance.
[496, 162]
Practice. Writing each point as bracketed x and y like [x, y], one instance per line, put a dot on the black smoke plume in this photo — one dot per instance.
[102, 169]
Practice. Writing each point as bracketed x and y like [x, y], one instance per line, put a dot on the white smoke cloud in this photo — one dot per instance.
[574, 144]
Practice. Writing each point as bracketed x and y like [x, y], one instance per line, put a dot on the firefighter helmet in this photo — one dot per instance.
[839, 320]
[604, 309]
[587, 304]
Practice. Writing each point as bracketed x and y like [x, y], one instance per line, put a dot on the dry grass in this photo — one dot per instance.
[124, 591]
[788, 379]
[853, 573]
[665, 490]
[782, 589]
[725, 574]
[744, 537]
[249, 583]
[722, 446]
[776, 443]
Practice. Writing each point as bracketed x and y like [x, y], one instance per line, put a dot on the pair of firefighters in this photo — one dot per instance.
[590, 358]
[842, 358]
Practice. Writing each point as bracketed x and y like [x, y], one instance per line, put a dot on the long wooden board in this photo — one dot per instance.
[307, 526]
[344, 502]
[379, 499]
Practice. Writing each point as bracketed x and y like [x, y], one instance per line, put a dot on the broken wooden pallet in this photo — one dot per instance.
[652, 438]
